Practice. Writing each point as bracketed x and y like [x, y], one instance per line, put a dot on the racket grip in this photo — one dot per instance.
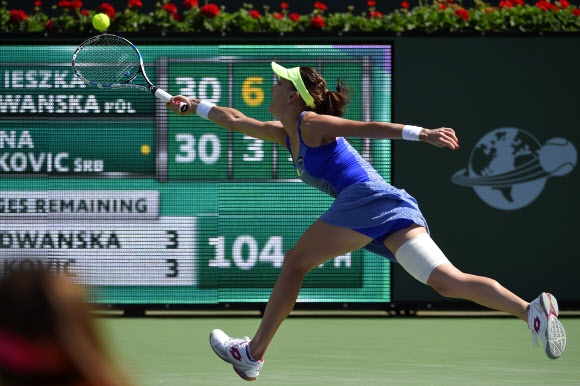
[182, 107]
[166, 97]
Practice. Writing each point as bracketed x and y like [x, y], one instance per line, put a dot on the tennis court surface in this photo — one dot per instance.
[346, 351]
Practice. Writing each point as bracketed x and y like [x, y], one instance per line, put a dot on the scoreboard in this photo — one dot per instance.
[143, 206]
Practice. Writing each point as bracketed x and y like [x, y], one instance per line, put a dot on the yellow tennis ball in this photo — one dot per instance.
[101, 21]
[145, 149]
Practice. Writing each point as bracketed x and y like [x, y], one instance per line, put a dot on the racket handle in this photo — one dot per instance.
[166, 97]
[182, 107]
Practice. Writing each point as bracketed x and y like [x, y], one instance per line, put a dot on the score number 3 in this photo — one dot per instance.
[173, 244]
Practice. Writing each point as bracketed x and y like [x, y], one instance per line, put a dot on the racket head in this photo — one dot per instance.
[108, 61]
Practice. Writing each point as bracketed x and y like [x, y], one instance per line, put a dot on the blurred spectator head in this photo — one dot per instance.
[47, 336]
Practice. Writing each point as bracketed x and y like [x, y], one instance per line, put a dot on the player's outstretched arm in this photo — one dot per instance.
[233, 120]
[327, 126]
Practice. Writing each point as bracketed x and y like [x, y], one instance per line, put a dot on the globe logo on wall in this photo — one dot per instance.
[508, 167]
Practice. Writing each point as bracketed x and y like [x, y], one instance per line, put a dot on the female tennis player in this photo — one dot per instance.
[367, 213]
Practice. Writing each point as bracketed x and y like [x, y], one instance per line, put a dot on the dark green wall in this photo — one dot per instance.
[475, 85]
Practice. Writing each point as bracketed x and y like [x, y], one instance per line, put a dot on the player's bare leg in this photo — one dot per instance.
[451, 282]
[541, 315]
[320, 243]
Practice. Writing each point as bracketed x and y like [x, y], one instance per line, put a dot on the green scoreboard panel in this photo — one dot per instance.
[145, 207]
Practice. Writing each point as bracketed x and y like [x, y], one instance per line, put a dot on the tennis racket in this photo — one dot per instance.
[110, 61]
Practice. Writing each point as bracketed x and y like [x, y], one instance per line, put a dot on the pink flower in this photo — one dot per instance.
[405, 4]
[17, 15]
[294, 16]
[37, 3]
[107, 9]
[544, 5]
[210, 10]
[255, 14]
[505, 4]
[317, 21]
[72, 5]
[564, 4]
[171, 8]
[320, 5]
[462, 13]
[284, 5]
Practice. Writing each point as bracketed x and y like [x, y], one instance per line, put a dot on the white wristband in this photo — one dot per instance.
[411, 133]
[203, 109]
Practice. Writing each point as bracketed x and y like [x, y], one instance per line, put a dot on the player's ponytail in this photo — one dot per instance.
[327, 102]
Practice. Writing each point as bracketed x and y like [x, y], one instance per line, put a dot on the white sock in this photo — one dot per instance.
[250, 355]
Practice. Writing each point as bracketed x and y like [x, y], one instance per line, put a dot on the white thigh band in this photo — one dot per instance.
[420, 256]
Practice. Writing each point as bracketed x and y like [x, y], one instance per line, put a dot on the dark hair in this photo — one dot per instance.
[44, 316]
[327, 102]
[25, 305]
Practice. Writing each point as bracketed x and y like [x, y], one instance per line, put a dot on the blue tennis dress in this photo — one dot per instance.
[365, 202]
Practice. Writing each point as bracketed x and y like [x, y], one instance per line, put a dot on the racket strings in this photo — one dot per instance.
[108, 60]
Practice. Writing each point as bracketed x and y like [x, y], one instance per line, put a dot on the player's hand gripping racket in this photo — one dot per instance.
[110, 61]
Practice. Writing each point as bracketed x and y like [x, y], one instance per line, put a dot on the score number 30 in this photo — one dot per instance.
[252, 93]
[207, 147]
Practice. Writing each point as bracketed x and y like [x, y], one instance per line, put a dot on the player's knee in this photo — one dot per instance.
[421, 257]
[447, 283]
[296, 263]
[492, 284]
[459, 284]
[446, 289]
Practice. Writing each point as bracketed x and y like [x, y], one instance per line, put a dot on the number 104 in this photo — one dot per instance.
[246, 253]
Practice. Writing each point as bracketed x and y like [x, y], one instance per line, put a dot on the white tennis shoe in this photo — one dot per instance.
[236, 352]
[544, 323]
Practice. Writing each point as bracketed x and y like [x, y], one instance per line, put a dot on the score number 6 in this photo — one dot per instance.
[253, 96]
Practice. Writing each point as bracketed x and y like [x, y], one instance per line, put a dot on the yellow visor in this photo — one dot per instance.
[293, 75]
